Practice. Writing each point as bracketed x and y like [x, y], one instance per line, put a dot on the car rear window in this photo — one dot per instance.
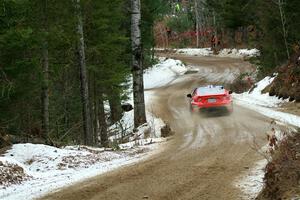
[210, 90]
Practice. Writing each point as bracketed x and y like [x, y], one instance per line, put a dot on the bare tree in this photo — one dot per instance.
[45, 66]
[197, 22]
[280, 4]
[88, 135]
[137, 65]
[201, 21]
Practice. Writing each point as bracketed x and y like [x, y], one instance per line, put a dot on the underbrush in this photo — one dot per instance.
[287, 82]
[282, 173]
[11, 173]
[242, 83]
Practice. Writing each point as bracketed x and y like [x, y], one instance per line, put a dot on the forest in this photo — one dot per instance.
[271, 26]
[41, 73]
[65, 66]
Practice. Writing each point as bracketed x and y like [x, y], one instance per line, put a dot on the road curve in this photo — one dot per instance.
[204, 158]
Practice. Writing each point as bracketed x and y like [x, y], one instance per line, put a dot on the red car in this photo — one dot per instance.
[211, 96]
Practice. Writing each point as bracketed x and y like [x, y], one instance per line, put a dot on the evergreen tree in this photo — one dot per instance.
[39, 68]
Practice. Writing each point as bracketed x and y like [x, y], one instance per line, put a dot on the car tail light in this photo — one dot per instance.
[199, 99]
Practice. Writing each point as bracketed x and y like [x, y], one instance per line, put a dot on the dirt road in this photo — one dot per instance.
[202, 161]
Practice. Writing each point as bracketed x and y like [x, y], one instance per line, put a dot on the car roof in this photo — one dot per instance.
[210, 90]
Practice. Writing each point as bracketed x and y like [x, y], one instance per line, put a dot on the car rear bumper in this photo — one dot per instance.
[212, 105]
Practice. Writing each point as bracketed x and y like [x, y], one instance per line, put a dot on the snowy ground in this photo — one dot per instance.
[265, 104]
[251, 182]
[195, 51]
[163, 73]
[232, 53]
[48, 168]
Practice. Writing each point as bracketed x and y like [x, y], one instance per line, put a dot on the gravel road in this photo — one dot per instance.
[202, 160]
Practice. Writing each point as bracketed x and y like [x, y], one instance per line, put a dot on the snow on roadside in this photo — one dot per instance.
[50, 168]
[265, 104]
[195, 51]
[239, 53]
[232, 53]
[256, 97]
[154, 123]
[251, 182]
[142, 142]
[163, 73]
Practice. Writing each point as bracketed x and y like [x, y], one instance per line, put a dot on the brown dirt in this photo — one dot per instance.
[205, 156]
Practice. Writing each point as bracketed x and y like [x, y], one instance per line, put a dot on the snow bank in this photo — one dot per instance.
[251, 181]
[265, 104]
[45, 168]
[142, 142]
[239, 53]
[163, 73]
[195, 51]
[12, 172]
[256, 97]
[232, 53]
[125, 125]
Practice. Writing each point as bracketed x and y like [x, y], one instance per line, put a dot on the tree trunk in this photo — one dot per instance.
[197, 22]
[102, 123]
[45, 86]
[87, 129]
[92, 98]
[45, 92]
[137, 67]
[95, 111]
[115, 106]
[283, 24]
[65, 100]
[215, 24]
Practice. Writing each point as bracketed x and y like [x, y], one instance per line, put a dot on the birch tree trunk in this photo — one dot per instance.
[86, 115]
[137, 67]
[45, 66]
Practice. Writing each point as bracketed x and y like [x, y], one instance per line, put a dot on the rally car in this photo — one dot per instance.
[211, 97]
